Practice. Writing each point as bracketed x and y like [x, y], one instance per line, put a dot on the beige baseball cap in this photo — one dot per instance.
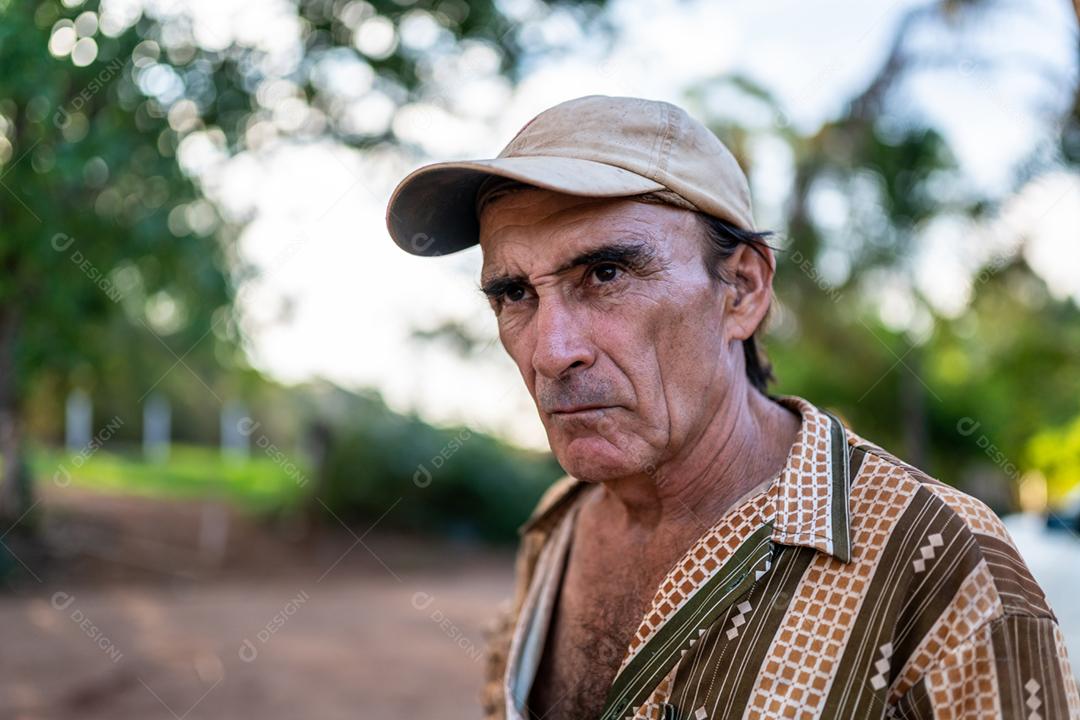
[593, 146]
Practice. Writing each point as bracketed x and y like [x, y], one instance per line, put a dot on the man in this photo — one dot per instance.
[714, 552]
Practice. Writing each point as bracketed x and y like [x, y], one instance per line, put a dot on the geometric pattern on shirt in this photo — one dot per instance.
[1072, 692]
[738, 620]
[700, 563]
[976, 583]
[719, 675]
[803, 497]
[634, 686]
[926, 552]
[964, 684]
[799, 502]
[978, 517]
[975, 603]
[882, 666]
[1032, 688]
[653, 708]
[802, 660]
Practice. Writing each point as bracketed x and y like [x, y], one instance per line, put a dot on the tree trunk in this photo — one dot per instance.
[15, 490]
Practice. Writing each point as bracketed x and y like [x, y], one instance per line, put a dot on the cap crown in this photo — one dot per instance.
[651, 138]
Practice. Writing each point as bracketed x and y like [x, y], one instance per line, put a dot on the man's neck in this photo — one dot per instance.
[745, 444]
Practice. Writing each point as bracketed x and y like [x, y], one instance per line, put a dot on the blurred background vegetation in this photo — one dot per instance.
[120, 275]
[173, 489]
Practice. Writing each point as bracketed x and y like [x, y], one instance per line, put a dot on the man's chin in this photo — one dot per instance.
[594, 459]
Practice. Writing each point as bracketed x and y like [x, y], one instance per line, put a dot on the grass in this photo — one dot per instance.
[258, 483]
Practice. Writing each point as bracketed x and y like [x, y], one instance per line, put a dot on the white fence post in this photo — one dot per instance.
[157, 427]
[235, 443]
[78, 417]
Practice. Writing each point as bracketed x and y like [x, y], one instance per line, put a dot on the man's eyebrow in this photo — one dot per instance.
[633, 254]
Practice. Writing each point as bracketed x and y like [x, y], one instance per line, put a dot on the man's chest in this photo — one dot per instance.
[599, 607]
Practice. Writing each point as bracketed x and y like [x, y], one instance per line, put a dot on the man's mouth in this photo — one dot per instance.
[578, 409]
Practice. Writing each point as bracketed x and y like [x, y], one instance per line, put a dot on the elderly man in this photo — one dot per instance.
[714, 551]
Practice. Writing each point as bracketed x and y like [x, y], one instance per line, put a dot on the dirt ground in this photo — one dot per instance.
[135, 609]
[131, 616]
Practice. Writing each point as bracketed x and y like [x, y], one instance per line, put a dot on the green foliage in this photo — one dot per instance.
[257, 484]
[85, 237]
[1007, 364]
[435, 480]
[115, 275]
[1055, 452]
[379, 466]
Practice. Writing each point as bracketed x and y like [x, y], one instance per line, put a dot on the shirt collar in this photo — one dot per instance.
[809, 496]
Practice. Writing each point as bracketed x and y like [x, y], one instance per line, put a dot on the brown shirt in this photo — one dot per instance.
[851, 586]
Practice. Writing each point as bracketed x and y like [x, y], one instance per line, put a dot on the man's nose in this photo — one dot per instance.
[561, 343]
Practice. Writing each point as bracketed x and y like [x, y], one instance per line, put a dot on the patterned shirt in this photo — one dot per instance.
[851, 585]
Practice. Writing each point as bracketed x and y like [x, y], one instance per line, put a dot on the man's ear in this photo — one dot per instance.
[751, 273]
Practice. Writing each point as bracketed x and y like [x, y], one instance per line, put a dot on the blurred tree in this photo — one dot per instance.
[106, 246]
[1055, 452]
[448, 481]
[867, 185]
[98, 226]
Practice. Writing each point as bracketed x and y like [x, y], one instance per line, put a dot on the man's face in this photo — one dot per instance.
[618, 330]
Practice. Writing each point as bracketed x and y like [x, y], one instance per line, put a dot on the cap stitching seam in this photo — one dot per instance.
[654, 151]
[665, 141]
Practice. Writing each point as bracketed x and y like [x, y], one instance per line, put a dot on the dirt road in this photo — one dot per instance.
[380, 628]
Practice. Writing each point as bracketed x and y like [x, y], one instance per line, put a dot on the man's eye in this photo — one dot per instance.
[514, 293]
[606, 272]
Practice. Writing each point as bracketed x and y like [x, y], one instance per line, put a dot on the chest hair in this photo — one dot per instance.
[598, 609]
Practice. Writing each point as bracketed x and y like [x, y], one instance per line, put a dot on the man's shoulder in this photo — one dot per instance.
[935, 520]
[879, 470]
[960, 590]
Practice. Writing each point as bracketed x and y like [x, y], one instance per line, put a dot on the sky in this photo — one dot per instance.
[336, 299]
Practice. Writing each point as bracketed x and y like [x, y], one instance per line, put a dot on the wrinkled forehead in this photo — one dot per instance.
[530, 230]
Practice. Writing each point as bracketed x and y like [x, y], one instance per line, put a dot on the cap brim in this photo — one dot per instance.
[432, 211]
